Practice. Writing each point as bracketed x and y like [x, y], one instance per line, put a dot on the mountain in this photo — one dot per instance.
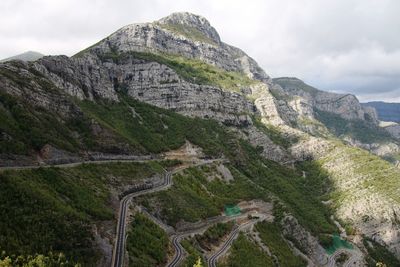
[386, 111]
[166, 95]
[26, 56]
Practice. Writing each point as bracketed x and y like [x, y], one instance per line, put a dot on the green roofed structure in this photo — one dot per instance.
[232, 210]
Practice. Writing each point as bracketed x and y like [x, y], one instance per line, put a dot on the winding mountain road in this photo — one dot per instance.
[212, 261]
[119, 250]
[179, 251]
[355, 258]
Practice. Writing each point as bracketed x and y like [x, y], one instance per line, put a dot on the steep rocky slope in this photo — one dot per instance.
[276, 133]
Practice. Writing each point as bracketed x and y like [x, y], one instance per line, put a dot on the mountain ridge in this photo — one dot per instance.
[26, 56]
[146, 90]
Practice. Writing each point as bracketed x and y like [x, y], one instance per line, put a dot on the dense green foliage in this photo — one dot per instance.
[38, 260]
[358, 129]
[271, 237]
[154, 129]
[290, 187]
[192, 70]
[213, 234]
[193, 198]
[52, 209]
[379, 253]
[147, 243]
[245, 253]
[31, 127]
[193, 253]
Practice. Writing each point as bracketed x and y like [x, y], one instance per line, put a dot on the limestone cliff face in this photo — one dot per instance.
[88, 78]
[184, 34]
[307, 98]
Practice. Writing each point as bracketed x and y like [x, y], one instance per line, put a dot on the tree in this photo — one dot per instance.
[198, 263]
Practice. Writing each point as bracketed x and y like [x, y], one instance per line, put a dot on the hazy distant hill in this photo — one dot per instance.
[386, 111]
[27, 56]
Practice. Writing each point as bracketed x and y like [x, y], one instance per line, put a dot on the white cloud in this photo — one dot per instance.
[342, 45]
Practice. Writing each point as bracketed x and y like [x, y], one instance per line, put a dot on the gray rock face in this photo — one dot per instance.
[165, 36]
[35, 90]
[308, 244]
[345, 105]
[394, 130]
[87, 78]
[83, 77]
[187, 19]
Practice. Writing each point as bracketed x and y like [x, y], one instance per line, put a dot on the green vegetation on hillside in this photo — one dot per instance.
[379, 253]
[31, 127]
[379, 175]
[37, 260]
[191, 70]
[187, 31]
[147, 244]
[245, 253]
[52, 209]
[357, 129]
[288, 83]
[272, 238]
[213, 234]
[190, 247]
[192, 198]
[154, 129]
[274, 133]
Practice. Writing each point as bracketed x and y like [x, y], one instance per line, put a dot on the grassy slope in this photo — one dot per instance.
[52, 209]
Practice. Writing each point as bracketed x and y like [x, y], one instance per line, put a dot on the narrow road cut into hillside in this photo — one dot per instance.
[119, 248]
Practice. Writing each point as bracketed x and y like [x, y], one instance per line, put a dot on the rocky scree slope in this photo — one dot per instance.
[177, 63]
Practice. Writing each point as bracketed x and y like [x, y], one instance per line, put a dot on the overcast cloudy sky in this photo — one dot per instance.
[342, 45]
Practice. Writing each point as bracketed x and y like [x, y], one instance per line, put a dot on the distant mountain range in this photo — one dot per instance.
[27, 56]
[386, 111]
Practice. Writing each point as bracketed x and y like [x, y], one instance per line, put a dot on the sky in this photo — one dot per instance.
[345, 46]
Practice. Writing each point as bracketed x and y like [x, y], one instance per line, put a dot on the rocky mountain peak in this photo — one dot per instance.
[193, 21]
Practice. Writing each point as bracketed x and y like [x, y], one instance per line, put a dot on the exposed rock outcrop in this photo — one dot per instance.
[345, 105]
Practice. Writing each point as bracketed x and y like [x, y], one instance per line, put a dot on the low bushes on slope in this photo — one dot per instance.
[213, 234]
[53, 209]
[147, 244]
[245, 253]
[357, 129]
[378, 253]
[272, 238]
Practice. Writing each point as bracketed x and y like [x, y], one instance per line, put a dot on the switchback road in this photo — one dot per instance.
[119, 250]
